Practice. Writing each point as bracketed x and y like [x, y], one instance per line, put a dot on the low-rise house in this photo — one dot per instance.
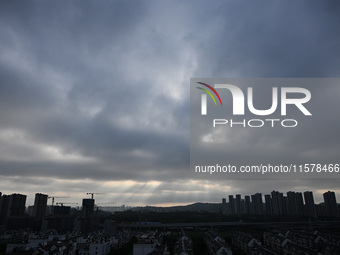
[216, 245]
[184, 246]
[245, 242]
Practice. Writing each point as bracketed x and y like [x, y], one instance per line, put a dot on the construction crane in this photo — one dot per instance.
[54, 198]
[92, 194]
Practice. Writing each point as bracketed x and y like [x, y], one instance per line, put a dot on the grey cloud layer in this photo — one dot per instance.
[100, 90]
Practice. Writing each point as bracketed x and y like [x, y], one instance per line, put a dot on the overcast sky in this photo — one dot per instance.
[94, 95]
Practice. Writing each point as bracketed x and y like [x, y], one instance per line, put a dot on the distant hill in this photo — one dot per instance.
[196, 207]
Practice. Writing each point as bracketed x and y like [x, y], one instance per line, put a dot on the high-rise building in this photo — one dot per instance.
[243, 207]
[269, 205]
[238, 204]
[330, 204]
[0, 202]
[4, 208]
[252, 204]
[292, 203]
[257, 202]
[17, 203]
[285, 205]
[310, 205]
[247, 205]
[40, 205]
[61, 210]
[88, 207]
[299, 203]
[224, 205]
[11, 206]
[277, 202]
[231, 204]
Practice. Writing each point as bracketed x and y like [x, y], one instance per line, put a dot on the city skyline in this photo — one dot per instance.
[39, 198]
[94, 96]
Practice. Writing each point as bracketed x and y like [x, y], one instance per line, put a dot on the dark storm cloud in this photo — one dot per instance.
[273, 39]
[100, 90]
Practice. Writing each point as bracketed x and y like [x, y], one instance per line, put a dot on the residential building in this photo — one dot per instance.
[332, 210]
[40, 205]
[310, 205]
[216, 245]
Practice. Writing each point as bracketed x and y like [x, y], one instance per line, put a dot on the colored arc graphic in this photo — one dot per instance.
[208, 93]
[213, 90]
